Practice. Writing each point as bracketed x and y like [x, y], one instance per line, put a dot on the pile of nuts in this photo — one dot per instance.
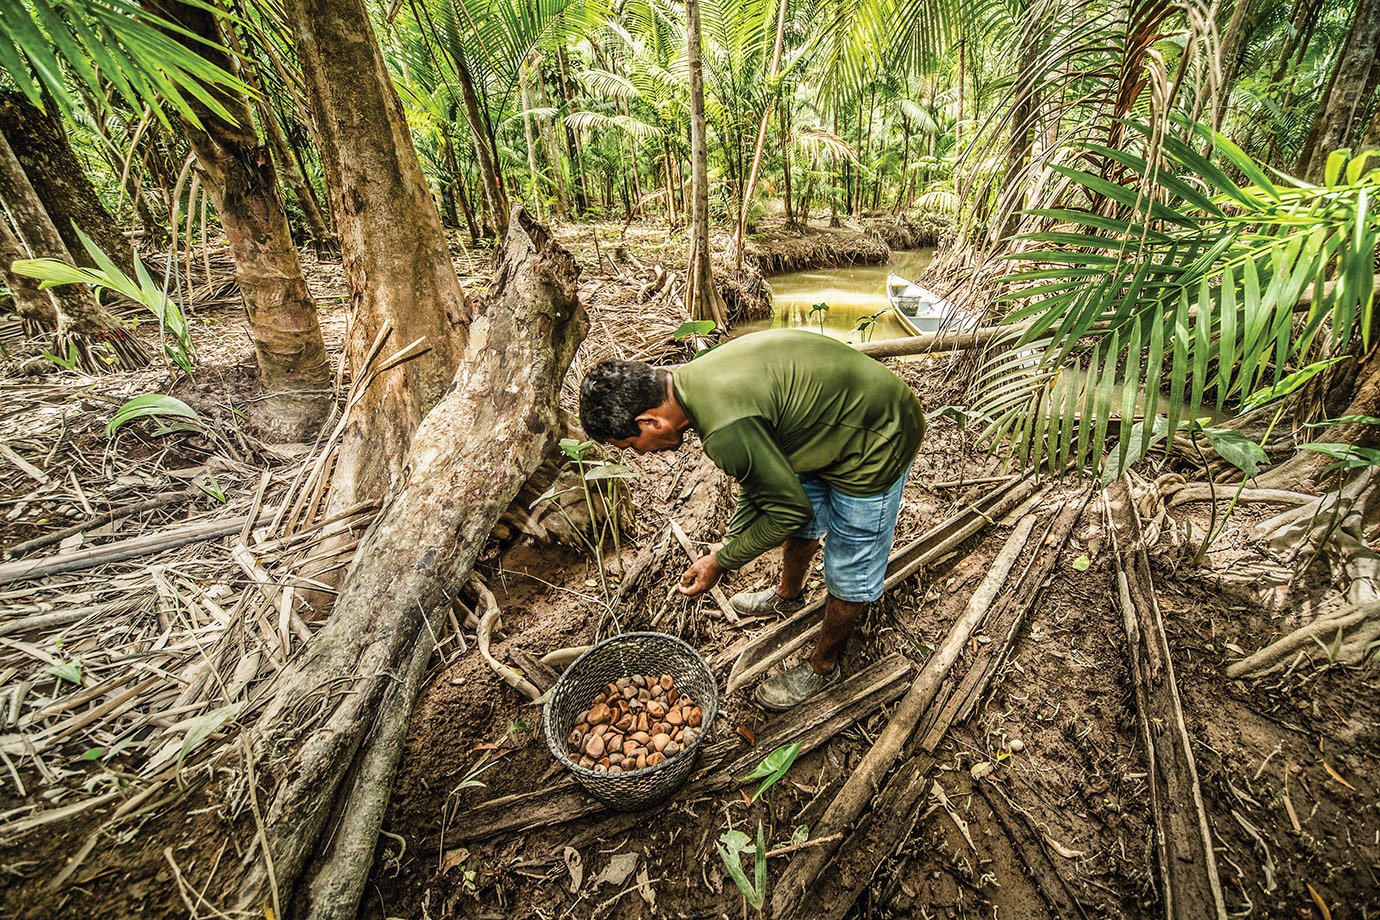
[636, 722]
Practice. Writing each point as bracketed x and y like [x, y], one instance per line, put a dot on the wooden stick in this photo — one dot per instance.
[57, 536]
[1006, 622]
[861, 786]
[1030, 849]
[1183, 839]
[715, 592]
[25, 569]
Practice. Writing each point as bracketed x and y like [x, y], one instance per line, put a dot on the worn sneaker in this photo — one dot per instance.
[765, 603]
[792, 687]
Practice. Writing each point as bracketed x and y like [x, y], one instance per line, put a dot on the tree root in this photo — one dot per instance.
[99, 351]
[488, 622]
[1342, 637]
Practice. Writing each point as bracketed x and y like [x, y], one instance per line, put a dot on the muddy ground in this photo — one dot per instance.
[1287, 763]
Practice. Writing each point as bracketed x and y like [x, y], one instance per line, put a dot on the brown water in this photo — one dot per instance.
[853, 294]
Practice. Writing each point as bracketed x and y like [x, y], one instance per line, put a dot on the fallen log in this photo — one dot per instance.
[811, 723]
[1183, 839]
[789, 897]
[761, 652]
[321, 757]
[1031, 849]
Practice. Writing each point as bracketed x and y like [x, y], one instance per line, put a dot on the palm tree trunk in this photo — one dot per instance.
[740, 230]
[553, 155]
[1343, 105]
[701, 296]
[286, 157]
[488, 167]
[785, 123]
[85, 329]
[457, 187]
[572, 143]
[35, 308]
[530, 137]
[1233, 51]
[391, 241]
[40, 143]
[238, 173]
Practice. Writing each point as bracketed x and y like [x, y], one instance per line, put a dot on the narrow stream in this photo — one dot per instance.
[853, 293]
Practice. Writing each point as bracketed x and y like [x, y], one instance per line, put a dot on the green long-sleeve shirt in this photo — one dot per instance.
[772, 406]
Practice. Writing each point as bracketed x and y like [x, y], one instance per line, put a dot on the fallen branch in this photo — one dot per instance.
[715, 592]
[1183, 840]
[788, 900]
[132, 548]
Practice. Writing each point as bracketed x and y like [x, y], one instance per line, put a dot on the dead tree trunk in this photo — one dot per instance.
[325, 752]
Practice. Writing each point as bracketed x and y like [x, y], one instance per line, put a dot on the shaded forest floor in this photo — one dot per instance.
[1287, 763]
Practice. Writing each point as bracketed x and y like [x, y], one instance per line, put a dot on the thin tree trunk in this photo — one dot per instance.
[488, 167]
[1233, 51]
[35, 308]
[85, 330]
[393, 248]
[553, 154]
[1343, 105]
[458, 188]
[534, 190]
[572, 142]
[785, 123]
[701, 296]
[40, 143]
[740, 230]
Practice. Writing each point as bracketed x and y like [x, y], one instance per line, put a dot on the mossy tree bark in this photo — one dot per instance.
[86, 331]
[326, 749]
[40, 143]
[391, 242]
[238, 173]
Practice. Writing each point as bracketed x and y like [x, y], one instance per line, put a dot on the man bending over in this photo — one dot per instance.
[820, 439]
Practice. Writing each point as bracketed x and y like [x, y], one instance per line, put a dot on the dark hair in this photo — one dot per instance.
[614, 394]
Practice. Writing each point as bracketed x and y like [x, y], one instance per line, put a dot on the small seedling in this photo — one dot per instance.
[773, 767]
[823, 310]
[730, 845]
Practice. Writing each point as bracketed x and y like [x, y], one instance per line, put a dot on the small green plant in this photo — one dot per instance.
[177, 415]
[867, 325]
[108, 276]
[211, 486]
[596, 477]
[823, 310]
[696, 329]
[734, 842]
[773, 767]
[68, 362]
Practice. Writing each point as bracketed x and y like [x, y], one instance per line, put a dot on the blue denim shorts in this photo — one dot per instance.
[858, 532]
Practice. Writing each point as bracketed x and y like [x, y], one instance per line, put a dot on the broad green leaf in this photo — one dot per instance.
[1237, 449]
[70, 671]
[151, 404]
[773, 767]
[1289, 384]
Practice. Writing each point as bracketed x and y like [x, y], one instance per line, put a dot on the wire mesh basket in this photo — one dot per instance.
[607, 662]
